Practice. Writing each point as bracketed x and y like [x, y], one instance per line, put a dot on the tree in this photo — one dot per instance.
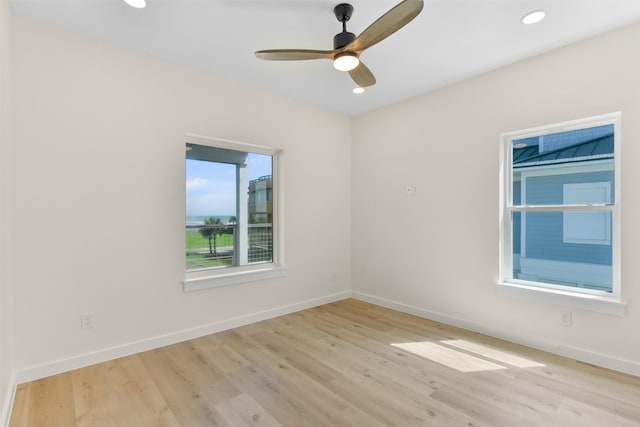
[232, 220]
[211, 231]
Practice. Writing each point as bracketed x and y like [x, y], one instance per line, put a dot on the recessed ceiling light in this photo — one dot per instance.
[358, 90]
[533, 17]
[138, 4]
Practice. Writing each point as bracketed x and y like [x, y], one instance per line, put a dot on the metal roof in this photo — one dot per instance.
[594, 149]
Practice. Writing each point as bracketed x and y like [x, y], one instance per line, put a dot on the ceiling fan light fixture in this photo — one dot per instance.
[358, 90]
[533, 17]
[346, 61]
[138, 4]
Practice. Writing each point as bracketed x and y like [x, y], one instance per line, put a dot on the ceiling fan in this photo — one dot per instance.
[347, 47]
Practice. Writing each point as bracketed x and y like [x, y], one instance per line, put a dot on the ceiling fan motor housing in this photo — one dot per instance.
[342, 39]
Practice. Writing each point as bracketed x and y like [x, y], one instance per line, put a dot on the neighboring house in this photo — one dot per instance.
[261, 200]
[260, 219]
[564, 247]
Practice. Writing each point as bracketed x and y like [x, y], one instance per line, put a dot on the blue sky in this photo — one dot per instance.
[211, 188]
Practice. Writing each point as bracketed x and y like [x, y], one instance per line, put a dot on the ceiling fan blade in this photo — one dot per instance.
[362, 75]
[396, 18]
[294, 54]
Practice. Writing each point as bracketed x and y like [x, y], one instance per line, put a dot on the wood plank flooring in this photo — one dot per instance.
[348, 363]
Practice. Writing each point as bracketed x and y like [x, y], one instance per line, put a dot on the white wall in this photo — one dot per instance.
[99, 199]
[436, 253]
[6, 332]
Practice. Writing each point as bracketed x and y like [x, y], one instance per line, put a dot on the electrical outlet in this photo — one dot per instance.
[334, 277]
[565, 317]
[86, 321]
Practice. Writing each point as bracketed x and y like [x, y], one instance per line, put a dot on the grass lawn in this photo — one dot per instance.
[196, 242]
[198, 249]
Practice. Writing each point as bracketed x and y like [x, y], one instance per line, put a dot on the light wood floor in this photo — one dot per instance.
[343, 364]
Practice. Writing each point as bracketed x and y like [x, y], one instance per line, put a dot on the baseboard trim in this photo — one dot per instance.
[7, 404]
[103, 355]
[580, 354]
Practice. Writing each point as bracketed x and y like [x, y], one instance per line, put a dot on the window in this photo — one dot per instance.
[560, 207]
[232, 225]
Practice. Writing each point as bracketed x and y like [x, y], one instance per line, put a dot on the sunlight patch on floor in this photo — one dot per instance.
[463, 361]
[450, 357]
[491, 353]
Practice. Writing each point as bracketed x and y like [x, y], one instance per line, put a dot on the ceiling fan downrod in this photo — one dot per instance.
[343, 13]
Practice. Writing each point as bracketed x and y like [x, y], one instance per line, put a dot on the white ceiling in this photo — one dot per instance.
[449, 41]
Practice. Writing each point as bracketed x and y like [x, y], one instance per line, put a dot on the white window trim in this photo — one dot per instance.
[563, 297]
[214, 278]
[598, 301]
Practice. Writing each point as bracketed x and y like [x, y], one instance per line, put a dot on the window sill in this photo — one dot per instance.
[218, 279]
[595, 303]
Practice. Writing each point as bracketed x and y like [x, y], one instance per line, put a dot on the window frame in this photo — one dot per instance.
[588, 299]
[213, 278]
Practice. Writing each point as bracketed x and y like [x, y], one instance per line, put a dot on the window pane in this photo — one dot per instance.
[543, 164]
[210, 208]
[541, 253]
[229, 208]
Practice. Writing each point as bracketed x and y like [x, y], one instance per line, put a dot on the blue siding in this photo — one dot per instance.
[516, 218]
[544, 229]
[547, 190]
[544, 241]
